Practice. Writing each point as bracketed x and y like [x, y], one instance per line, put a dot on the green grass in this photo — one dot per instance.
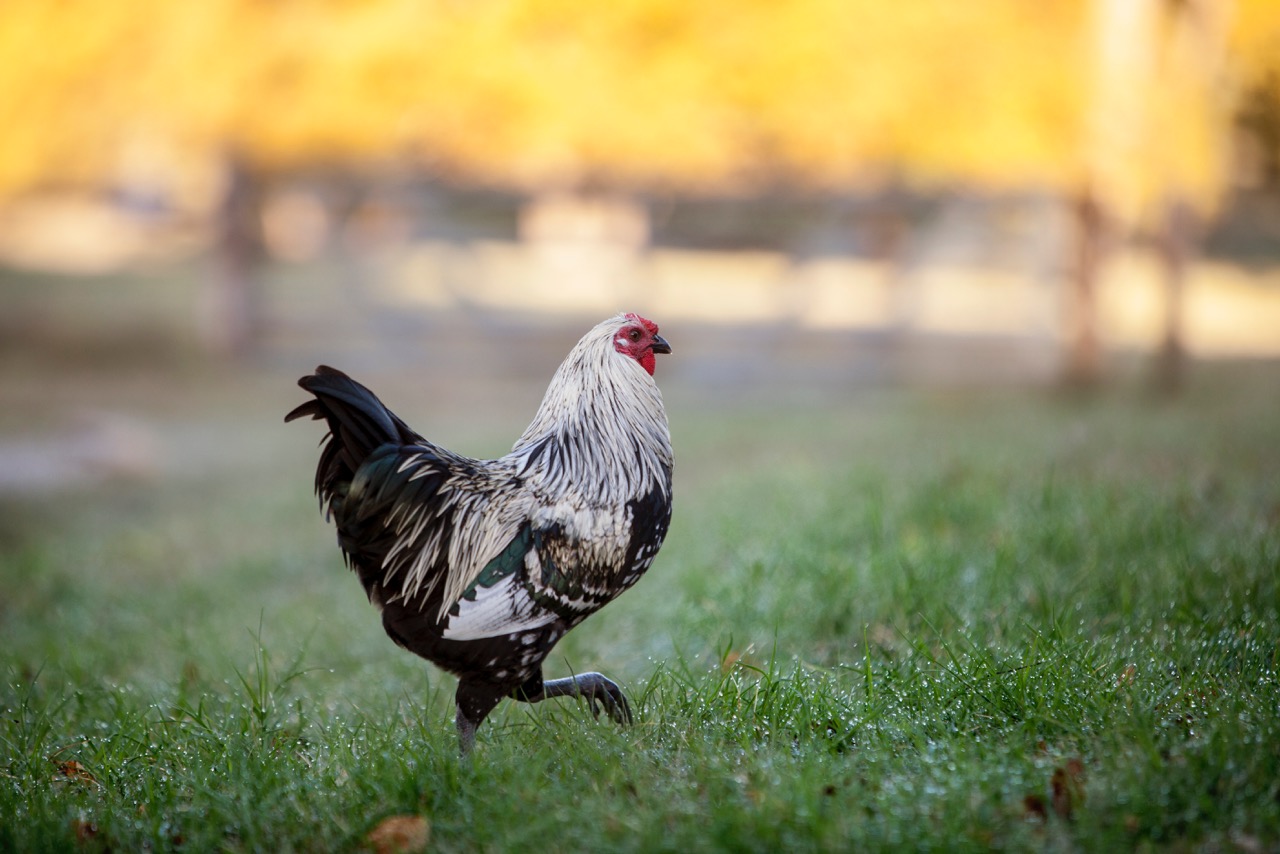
[905, 621]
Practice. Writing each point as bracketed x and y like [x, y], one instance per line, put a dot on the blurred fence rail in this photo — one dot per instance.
[940, 288]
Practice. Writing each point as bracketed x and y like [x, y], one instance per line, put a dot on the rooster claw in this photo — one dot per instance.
[597, 690]
[614, 702]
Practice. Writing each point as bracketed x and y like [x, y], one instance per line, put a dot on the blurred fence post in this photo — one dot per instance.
[1177, 241]
[230, 307]
[888, 234]
[1084, 351]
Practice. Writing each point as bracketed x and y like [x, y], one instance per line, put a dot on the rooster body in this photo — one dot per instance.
[481, 566]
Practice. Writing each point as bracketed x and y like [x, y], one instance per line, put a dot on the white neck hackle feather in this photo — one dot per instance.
[599, 440]
[606, 412]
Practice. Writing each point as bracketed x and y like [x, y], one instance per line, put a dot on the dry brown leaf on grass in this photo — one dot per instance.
[84, 831]
[1066, 789]
[399, 834]
[73, 770]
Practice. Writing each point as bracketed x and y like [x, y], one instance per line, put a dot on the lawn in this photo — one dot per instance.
[918, 620]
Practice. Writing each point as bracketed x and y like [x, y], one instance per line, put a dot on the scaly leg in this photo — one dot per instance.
[475, 702]
[594, 687]
[477, 699]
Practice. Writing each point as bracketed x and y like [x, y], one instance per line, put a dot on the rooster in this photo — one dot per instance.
[481, 566]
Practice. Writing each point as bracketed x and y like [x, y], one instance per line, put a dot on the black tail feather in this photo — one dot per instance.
[358, 422]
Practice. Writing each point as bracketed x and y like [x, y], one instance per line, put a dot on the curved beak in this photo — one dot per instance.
[660, 345]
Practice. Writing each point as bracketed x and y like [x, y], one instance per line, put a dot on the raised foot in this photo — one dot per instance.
[596, 689]
[476, 699]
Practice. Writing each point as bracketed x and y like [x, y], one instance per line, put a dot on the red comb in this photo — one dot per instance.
[645, 322]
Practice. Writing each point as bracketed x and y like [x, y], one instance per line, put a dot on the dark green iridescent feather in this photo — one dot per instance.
[506, 564]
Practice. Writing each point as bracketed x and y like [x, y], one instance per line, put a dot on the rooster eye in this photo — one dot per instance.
[634, 335]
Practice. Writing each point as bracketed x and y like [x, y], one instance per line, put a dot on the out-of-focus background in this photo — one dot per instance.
[975, 401]
[218, 195]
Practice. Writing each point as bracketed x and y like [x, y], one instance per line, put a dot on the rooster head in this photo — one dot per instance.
[638, 338]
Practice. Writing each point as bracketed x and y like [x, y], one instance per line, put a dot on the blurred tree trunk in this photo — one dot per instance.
[1177, 243]
[1084, 349]
[230, 310]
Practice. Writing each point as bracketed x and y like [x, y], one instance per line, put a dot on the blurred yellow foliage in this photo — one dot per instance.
[700, 96]
[1255, 40]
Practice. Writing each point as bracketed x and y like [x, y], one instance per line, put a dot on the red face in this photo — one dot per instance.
[639, 339]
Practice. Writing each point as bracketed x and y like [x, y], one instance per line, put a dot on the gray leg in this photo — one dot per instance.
[475, 702]
[466, 732]
[595, 688]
